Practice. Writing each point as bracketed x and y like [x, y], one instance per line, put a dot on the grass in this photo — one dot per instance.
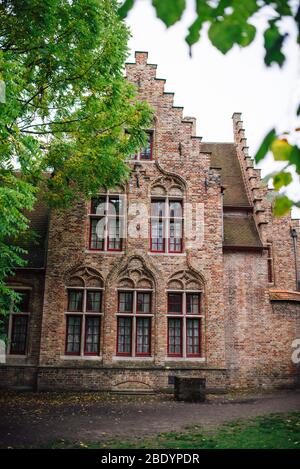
[275, 431]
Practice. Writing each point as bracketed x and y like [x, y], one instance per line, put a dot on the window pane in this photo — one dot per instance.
[115, 206]
[193, 336]
[97, 233]
[193, 303]
[93, 301]
[146, 152]
[23, 304]
[125, 302]
[143, 335]
[73, 339]
[175, 209]
[98, 206]
[115, 234]
[92, 335]
[157, 235]
[75, 300]
[175, 243]
[175, 303]
[158, 208]
[174, 336]
[19, 335]
[124, 336]
[143, 302]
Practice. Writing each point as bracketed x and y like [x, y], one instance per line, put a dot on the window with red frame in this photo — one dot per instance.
[83, 328]
[145, 152]
[166, 225]
[107, 223]
[19, 321]
[184, 324]
[134, 323]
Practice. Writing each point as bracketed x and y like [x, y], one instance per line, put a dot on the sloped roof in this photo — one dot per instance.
[241, 232]
[223, 155]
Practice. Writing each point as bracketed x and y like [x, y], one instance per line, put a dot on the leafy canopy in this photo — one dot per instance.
[64, 104]
[230, 23]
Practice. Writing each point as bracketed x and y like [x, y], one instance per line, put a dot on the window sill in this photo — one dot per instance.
[101, 253]
[81, 357]
[168, 254]
[120, 358]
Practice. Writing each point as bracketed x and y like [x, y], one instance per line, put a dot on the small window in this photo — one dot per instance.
[73, 335]
[107, 223]
[125, 302]
[92, 335]
[166, 224]
[93, 301]
[175, 303]
[124, 336]
[145, 152]
[75, 300]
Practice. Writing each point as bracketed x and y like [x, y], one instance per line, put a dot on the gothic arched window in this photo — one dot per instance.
[83, 313]
[184, 315]
[166, 221]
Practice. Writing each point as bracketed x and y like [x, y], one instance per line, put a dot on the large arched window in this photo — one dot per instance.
[134, 311]
[166, 221]
[84, 313]
[185, 315]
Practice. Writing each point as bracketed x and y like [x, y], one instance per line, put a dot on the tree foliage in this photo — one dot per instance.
[230, 23]
[63, 114]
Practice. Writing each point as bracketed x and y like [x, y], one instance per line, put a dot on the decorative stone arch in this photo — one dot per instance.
[133, 273]
[84, 277]
[168, 185]
[186, 279]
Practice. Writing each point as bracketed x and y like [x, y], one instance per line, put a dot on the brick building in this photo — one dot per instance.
[205, 283]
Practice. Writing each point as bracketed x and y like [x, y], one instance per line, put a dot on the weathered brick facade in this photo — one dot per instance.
[244, 269]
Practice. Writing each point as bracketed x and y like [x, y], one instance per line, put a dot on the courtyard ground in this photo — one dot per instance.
[63, 419]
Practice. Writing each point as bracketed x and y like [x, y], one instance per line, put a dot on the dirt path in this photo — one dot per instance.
[29, 419]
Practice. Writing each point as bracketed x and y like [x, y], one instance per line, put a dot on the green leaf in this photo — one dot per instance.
[265, 146]
[125, 7]
[194, 32]
[281, 150]
[273, 44]
[282, 205]
[247, 35]
[169, 11]
[295, 158]
[282, 179]
[224, 34]
[298, 110]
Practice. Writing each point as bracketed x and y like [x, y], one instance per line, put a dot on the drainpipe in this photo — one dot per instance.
[294, 236]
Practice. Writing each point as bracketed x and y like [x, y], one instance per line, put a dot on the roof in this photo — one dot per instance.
[241, 232]
[223, 155]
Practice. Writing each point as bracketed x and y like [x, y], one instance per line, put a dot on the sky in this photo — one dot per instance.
[211, 86]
